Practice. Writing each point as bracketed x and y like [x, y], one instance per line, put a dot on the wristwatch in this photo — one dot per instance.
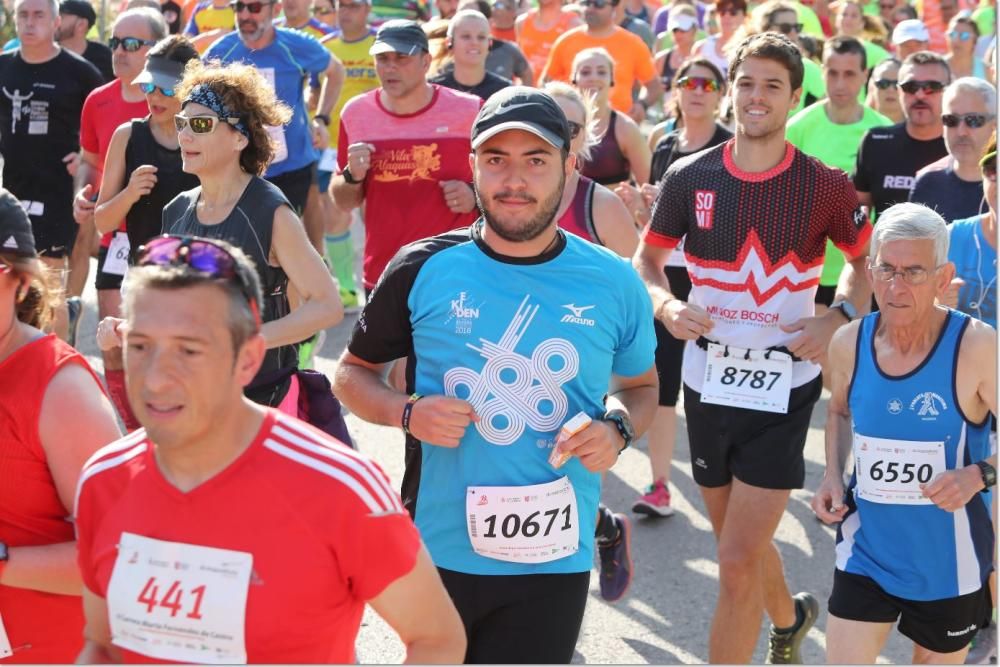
[621, 422]
[349, 177]
[847, 308]
[989, 474]
[323, 118]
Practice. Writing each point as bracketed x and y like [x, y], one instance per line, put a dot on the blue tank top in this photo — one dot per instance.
[915, 551]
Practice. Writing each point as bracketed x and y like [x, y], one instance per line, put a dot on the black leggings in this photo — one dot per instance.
[519, 619]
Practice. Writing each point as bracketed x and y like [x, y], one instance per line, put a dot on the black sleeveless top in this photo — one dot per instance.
[607, 164]
[668, 150]
[667, 72]
[248, 227]
[144, 220]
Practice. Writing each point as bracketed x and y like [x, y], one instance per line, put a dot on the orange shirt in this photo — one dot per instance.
[535, 44]
[633, 61]
[506, 34]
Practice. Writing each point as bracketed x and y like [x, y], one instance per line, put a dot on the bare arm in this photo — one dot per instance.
[866, 199]
[853, 284]
[115, 199]
[359, 159]
[333, 82]
[97, 646]
[614, 223]
[652, 93]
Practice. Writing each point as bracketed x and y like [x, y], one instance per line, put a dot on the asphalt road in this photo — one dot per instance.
[664, 619]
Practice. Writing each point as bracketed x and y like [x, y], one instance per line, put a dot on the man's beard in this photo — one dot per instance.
[534, 227]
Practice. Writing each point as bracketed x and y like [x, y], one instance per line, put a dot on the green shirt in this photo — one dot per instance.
[812, 84]
[985, 18]
[812, 132]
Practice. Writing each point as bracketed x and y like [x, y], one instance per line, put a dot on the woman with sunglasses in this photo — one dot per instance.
[883, 95]
[53, 416]
[963, 35]
[222, 131]
[142, 170]
[622, 154]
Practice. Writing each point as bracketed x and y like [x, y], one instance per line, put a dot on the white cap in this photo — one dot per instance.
[910, 29]
[681, 21]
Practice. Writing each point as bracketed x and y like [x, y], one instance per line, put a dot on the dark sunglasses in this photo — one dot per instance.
[202, 255]
[786, 28]
[597, 4]
[973, 120]
[961, 35]
[252, 7]
[323, 11]
[912, 86]
[885, 84]
[148, 88]
[696, 82]
[574, 129]
[130, 44]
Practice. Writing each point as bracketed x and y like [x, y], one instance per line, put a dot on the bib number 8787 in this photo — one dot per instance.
[757, 378]
[511, 524]
[905, 473]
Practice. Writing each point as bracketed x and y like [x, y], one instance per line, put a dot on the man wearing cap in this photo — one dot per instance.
[513, 328]
[910, 36]
[75, 20]
[404, 150]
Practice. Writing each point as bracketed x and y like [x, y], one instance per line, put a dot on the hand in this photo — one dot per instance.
[441, 420]
[109, 333]
[141, 182]
[72, 162]
[952, 490]
[321, 135]
[649, 194]
[816, 332]
[638, 112]
[950, 295]
[685, 321]
[83, 208]
[828, 503]
[634, 202]
[359, 159]
[458, 196]
[597, 446]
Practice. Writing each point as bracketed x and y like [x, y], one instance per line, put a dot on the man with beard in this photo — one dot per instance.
[890, 157]
[76, 17]
[513, 328]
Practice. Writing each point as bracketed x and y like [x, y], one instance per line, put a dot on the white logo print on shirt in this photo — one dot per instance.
[16, 100]
[577, 315]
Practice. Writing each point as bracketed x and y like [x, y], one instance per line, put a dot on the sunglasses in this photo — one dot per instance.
[961, 35]
[885, 84]
[574, 129]
[696, 82]
[201, 124]
[597, 4]
[973, 120]
[786, 28]
[252, 7]
[202, 255]
[130, 44]
[912, 86]
[322, 11]
[148, 88]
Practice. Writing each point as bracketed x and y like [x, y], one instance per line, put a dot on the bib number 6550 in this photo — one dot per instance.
[903, 472]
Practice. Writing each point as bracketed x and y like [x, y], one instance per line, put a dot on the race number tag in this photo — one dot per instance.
[891, 471]
[5, 650]
[179, 602]
[116, 262]
[276, 132]
[524, 524]
[328, 160]
[747, 379]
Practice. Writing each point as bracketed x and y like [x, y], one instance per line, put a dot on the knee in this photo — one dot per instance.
[739, 569]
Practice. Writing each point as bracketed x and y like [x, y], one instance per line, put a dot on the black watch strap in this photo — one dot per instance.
[323, 118]
[989, 474]
[349, 177]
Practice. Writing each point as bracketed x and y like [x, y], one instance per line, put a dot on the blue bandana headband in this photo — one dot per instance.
[205, 96]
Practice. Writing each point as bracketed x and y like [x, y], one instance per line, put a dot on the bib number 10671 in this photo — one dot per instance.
[512, 525]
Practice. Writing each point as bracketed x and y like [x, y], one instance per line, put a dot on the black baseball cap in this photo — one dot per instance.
[400, 36]
[80, 8]
[15, 228]
[521, 108]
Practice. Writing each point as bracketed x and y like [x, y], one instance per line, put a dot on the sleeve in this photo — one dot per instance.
[522, 68]
[88, 129]
[670, 218]
[849, 228]
[557, 69]
[862, 183]
[83, 516]
[644, 69]
[191, 30]
[383, 332]
[637, 343]
[313, 56]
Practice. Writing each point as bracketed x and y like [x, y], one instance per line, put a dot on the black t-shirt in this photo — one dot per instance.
[99, 56]
[490, 84]
[668, 151]
[888, 161]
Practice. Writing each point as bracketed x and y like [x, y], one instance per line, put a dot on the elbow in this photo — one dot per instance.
[332, 309]
[448, 647]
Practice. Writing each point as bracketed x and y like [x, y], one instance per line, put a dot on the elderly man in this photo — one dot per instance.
[913, 389]
[953, 186]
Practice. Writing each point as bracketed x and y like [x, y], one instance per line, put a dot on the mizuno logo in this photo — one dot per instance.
[577, 311]
[577, 316]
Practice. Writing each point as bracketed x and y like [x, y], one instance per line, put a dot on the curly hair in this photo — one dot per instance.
[35, 305]
[250, 97]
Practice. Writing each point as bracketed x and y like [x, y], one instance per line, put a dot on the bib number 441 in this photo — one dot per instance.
[172, 599]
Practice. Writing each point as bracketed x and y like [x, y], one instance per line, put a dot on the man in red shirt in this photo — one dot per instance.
[226, 532]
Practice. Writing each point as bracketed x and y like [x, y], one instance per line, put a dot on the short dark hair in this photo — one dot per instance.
[770, 46]
[843, 46]
[928, 58]
[739, 5]
[911, 11]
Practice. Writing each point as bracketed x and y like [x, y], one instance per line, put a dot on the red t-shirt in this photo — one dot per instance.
[413, 153]
[324, 527]
[41, 627]
[103, 111]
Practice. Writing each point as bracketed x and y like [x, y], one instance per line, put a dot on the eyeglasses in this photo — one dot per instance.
[202, 255]
[323, 11]
[148, 88]
[252, 7]
[696, 82]
[912, 86]
[130, 44]
[973, 120]
[786, 28]
[961, 35]
[574, 129]
[885, 84]
[913, 275]
[597, 4]
[201, 124]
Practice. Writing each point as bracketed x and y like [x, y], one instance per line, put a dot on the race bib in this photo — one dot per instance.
[116, 262]
[891, 471]
[328, 161]
[524, 524]
[751, 379]
[5, 650]
[179, 602]
[276, 132]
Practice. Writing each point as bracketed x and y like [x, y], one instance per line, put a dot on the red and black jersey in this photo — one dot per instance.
[755, 242]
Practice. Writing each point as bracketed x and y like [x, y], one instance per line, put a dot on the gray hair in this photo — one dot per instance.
[911, 222]
[974, 85]
[157, 25]
[467, 14]
[567, 92]
[53, 7]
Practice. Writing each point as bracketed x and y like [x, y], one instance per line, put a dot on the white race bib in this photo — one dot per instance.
[891, 471]
[179, 602]
[747, 378]
[524, 524]
[328, 161]
[116, 262]
[276, 132]
[5, 650]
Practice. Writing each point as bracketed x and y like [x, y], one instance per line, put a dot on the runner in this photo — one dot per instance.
[473, 440]
[909, 37]
[883, 94]
[913, 388]
[259, 513]
[296, 15]
[538, 29]
[732, 17]
[468, 44]
[54, 417]
[76, 18]
[749, 320]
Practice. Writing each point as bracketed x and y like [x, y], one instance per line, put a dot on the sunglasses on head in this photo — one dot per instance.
[787, 28]
[252, 7]
[961, 35]
[148, 88]
[201, 124]
[973, 120]
[202, 255]
[130, 44]
[885, 84]
[574, 129]
[912, 86]
[696, 82]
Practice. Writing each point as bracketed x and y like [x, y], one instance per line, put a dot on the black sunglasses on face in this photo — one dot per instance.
[912, 86]
[787, 28]
[596, 4]
[130, 44]
[973, 120]
[885, 84]
[252, 7]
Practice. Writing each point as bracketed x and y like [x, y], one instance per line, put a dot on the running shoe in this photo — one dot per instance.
[308, 349]
[783, 647]
[616, 561]
[349, 298]
[984, 647]
[655, 502]
[75, 307]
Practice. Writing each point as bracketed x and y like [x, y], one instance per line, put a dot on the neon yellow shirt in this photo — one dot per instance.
[208, 17]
